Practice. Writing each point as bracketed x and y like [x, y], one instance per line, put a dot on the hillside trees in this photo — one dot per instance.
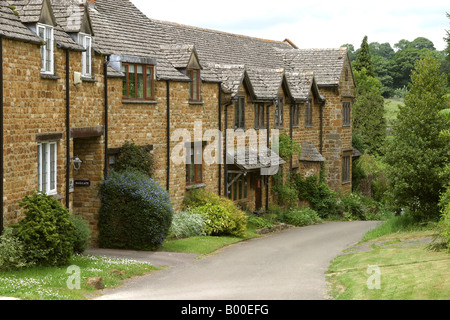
[368, 108]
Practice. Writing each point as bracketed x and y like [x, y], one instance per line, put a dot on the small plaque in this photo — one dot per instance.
[82, 183]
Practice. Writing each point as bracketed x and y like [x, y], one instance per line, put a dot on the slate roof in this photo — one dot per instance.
[29, 11]
[326, 64]
[225, 48]
[69, 14]
[248, 159]
[121, 29]
[12, 28]
[309, 153]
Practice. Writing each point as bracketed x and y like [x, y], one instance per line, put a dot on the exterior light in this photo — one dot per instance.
[76, 163]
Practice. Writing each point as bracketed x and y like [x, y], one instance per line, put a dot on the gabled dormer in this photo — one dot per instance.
[74, 19]
[186, 60]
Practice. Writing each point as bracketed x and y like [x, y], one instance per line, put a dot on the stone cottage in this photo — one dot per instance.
[81, 78]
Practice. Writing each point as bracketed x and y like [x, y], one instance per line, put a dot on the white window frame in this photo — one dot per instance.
[47, 63]
[47, 167]
[85, 40]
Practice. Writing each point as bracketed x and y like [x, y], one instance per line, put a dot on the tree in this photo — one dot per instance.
[417, 155]
[363, 59]
[368, 112]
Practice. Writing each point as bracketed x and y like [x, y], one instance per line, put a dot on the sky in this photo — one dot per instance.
[312, 24]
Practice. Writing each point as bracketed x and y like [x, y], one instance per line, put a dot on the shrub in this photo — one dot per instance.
[187, 224]
[315, 190]
[220, 222]
[214, 209]
[133, 157]
[444, 223]
[12, 251]
[136, 213]
[82, 234]
[299, 217]
[46, 231]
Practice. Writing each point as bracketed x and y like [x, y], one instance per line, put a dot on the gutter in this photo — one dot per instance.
[268, 147]
[225, 150]
[67, 128]
[1, 134]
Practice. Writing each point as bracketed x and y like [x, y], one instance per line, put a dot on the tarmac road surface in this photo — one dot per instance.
[288, 265]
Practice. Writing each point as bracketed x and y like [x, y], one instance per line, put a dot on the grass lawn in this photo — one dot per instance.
[51, 283]
[391, 109]
[400, 262]
[206, 244]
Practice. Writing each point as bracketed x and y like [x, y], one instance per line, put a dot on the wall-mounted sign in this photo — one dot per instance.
[82, 183]
[71, 187]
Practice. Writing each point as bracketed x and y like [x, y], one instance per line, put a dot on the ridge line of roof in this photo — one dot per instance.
[176, 24]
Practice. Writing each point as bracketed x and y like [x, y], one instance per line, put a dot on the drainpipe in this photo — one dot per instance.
[225, 151]
[268, 146]
[1, 133]
[67, 128]
[105, 80]
[168, 135]
[220, 138]
[291, 112]
[321, 126]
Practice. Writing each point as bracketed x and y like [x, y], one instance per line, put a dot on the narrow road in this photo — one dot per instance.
[289, 265]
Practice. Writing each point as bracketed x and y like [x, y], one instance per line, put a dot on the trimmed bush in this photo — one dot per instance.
[187, 224]
[221, 215]
[46, 231]
[82, 234]
[136, 213]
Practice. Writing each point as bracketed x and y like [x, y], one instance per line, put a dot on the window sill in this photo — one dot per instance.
[309, 127]
[347, 182]
[195, 186]
[49, 76]
[346, 126]
[196, 103]
[88, 79]
[139, 101]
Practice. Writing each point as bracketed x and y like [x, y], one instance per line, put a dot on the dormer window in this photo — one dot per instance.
[194, 87]
[85, 40]
[45, 32]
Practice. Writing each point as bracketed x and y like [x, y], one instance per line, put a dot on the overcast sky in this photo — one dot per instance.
[312, 24]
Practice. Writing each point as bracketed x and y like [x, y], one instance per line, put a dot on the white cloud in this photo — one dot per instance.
[326, 23]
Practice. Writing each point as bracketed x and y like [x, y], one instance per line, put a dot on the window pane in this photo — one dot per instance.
[192, 166]
[44, 167]
[41, 33]
[131, 81]
[52, 166]
[124, 69]
[195, 85]
[149, 82]
[39, 152]
[88, 56]
[48, 49]
[140, 82]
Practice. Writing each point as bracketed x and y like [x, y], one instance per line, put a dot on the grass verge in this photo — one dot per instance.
[393, 262]
[51, 283]
[204, 245]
